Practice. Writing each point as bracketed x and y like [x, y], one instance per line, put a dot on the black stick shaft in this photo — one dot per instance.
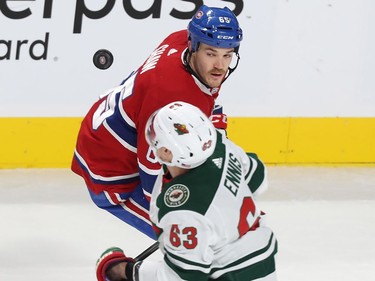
[150, 250]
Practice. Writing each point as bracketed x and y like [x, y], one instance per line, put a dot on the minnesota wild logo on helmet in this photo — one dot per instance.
[180, 129]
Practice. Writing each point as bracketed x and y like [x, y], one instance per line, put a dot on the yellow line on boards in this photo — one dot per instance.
[48, 142]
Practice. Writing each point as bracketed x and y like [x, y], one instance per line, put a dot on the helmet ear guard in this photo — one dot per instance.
[217, 27]
[184, 130]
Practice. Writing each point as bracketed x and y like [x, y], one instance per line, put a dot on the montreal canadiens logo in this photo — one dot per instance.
[198, 15]
[176, 195]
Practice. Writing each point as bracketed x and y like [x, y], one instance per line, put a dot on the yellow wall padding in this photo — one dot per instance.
[48, 142]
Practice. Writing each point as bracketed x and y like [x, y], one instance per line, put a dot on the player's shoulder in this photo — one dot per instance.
[185, 195]
[177, 36]
[165, 60]
[195, 190]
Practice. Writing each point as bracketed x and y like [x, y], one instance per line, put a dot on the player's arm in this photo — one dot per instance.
[101, 140]
[253, 168]
[256, 176]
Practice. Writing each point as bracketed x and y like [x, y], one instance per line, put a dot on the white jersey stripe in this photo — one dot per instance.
[148, 170]
[120, 140]
[101, 178]
[129, 201]
[147, 194]
[137, 205]
[125, 92]
[135, 213]
[109, 198]
[186, 266]
[249, 262]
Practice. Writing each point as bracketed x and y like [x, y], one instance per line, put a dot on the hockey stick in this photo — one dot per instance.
[150, 250]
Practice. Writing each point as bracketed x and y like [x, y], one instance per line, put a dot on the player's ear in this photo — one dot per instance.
[189, 45]
[168, 155]
[165, 154]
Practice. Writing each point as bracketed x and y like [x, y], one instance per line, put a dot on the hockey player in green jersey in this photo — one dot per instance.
[203, 211]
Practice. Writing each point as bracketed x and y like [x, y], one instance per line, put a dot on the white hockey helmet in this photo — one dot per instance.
[183, 129]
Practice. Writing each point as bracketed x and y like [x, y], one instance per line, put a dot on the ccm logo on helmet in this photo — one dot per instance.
[225, 37]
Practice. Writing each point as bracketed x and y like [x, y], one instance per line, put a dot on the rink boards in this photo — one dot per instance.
[41, 142]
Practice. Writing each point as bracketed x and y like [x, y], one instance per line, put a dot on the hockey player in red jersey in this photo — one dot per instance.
[111, 153]
[203, 208]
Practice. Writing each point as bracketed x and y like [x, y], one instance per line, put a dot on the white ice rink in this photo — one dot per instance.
[324, 218]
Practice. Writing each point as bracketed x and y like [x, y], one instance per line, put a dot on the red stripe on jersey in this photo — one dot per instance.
[115, 198]
[129, 204]
[157, 230]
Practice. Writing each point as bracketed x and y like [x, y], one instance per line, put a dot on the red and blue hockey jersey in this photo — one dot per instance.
[111, 153]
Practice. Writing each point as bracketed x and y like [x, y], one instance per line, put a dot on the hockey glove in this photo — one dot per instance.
[219, 121]
[108, 259]
[218, 118]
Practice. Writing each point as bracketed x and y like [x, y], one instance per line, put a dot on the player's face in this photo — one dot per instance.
[211, 63]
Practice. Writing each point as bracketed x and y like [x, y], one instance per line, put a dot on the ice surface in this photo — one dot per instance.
[323, 217]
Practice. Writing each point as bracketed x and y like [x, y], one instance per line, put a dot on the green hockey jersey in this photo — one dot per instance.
[208, 223]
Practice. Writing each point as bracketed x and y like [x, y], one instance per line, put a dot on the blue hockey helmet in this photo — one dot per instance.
[217, 27]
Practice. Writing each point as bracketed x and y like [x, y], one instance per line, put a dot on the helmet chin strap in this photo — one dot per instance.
[187, 58]
[230, 70]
